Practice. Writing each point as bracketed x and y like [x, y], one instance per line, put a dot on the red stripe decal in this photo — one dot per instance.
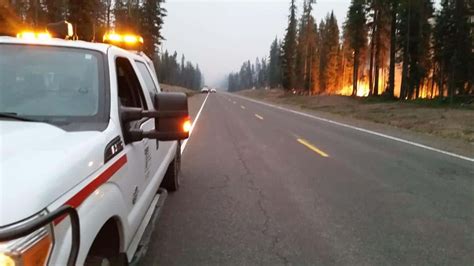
[82, 195]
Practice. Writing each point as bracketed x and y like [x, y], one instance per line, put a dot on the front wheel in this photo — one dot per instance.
[171, 180]
[120, 260]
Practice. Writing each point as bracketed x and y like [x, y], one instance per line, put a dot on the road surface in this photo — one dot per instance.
[263, 186]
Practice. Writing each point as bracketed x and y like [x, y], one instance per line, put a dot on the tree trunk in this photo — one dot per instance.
[417, 92]
[355, 74]
[406, 77]
[309, 76]
[377, 62]
[440, 82]
[403, 88]
[372, 54]
[432, 82]
[451, 85]
[393, 43]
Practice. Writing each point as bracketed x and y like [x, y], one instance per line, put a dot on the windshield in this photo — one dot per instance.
[51, 83]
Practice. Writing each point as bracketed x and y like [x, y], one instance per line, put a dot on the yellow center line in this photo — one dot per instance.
[312, 147]
[259, 117]
[243, 107]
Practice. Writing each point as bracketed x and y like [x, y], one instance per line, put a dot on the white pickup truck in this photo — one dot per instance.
[86, 141]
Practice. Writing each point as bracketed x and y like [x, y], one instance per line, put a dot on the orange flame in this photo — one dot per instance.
[362, 90]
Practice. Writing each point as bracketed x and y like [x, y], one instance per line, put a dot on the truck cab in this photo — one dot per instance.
[87, 139]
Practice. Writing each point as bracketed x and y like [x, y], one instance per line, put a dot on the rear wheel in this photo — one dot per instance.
[171, 181]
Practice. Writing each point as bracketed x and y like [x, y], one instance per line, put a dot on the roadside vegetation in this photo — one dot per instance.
[93, 18]
[398, 50]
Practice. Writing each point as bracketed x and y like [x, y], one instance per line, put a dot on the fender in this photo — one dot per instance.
[106, 202]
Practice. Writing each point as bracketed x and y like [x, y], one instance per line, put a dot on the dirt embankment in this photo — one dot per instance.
[443, 121]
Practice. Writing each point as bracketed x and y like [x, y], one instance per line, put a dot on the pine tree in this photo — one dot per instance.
[453, 48]
[332, 43]
[347, 60]
[263, 74]
[55, 10]
[357, 36]
[379, 40]
[274, 68]
[151, 21]
[289, 50]
[414, 39]
[323, 57]
[315, 57]
[305, 48]
[393, 47]
[85, 15]
[301, 49]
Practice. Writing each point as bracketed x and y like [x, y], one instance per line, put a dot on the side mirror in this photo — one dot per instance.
[173, 122]
[171, 118]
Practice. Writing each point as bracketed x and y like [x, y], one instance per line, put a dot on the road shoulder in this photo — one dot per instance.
[453, 145]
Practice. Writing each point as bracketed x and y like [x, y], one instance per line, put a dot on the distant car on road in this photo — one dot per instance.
[205, 90]
[213, 90]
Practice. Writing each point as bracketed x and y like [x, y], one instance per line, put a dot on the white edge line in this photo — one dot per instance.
[183, 145]
[361, 129]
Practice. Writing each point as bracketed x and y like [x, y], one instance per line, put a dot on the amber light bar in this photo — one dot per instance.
[127, 39]
[34, 36]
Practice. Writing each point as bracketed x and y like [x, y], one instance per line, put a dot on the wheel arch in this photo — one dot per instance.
[109, 241]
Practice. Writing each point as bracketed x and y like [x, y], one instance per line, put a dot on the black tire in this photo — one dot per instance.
[171, 180]
[97, 261]
[120, 260]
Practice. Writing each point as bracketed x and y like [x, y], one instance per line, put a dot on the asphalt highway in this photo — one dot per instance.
[265, 186]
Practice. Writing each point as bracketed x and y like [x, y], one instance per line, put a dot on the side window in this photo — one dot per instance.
[150, 84]
[129, 90]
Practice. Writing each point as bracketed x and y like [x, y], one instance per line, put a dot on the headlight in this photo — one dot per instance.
[33, 249]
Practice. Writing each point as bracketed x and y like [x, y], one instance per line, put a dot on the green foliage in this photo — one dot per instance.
[329, 32]
[306, 49]
[289, 50]
[274, 67]
[250, 76]
[171, 72]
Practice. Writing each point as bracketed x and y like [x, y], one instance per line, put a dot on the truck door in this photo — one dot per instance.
[139, 154]
[162, 147]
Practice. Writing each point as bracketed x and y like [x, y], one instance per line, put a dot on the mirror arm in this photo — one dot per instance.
[164, 136]
[164, 114]
[138, 135]
[129, 114]
[135, 135]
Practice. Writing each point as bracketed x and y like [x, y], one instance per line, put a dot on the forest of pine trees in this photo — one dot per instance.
[402, 49]
[182, 73]
[92, 18]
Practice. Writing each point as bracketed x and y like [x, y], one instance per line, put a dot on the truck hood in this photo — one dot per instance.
[39, 163]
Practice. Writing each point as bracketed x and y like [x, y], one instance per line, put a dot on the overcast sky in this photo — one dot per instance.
[220, 34]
